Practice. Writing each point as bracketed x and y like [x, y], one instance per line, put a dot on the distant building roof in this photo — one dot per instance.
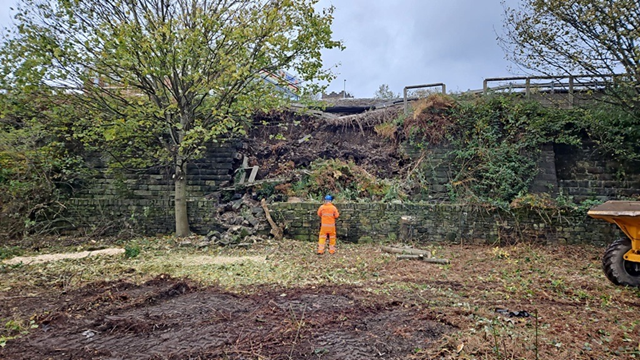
[335, 95]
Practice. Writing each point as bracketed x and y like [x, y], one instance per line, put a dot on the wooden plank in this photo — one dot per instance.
[254, 172]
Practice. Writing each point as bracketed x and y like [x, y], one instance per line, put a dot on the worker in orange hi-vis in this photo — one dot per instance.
[328, 214]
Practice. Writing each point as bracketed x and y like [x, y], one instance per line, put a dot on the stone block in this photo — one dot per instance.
[142, 193]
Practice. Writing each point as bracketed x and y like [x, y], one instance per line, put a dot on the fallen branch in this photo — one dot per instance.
[394, 250]
[367, 119]
[246, 245]
[276, 230]
[422, 258]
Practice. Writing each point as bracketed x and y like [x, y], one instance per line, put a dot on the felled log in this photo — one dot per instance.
[367, 119]
[394, 250]
[422, 258]
[276, 230]
[245, 245]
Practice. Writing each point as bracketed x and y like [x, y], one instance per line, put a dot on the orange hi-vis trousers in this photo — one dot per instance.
[327, 231]
[328, 214]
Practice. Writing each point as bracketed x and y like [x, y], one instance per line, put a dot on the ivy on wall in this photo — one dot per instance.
[495, 144]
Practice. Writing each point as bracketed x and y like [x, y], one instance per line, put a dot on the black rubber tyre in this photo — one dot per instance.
[616, 268]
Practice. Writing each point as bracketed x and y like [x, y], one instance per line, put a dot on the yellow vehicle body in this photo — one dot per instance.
[622, 267]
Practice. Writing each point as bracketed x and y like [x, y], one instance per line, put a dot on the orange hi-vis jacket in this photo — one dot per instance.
[328, 214]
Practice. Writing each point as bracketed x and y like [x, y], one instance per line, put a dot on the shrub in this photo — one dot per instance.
[131, 251]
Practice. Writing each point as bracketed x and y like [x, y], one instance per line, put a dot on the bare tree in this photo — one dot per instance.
[591, 37]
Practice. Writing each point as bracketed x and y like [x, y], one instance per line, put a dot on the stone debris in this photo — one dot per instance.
[240, 222]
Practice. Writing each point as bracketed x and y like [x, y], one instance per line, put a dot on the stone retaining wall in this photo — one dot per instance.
[359, 222]
[578, 172]
[447, 223]
[583, 174]
[144, 202]
[204, 176]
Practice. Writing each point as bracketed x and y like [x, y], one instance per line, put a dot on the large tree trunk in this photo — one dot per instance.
[182, 219]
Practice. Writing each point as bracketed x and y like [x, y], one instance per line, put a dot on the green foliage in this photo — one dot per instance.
[166, 78]
[161, 79]
[39, 162]
[7, 252]
[14, 329]
[495, 143]
[384, 93]
[266, 191]
[594, 37]
[545, 205]
[344, 180]
[615, 130]
[131, 251]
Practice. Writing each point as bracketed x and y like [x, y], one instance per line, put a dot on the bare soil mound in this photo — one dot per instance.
[167, 318]
[279, 143]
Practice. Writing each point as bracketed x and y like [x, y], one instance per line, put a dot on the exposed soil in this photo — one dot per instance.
[360, 303]
[282, 142]
[167, 318]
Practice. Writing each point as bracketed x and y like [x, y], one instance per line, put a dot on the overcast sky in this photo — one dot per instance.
[4, 12]
[408, 42]
[412, 42]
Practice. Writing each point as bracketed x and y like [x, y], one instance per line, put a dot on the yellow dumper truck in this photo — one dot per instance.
[621, 260]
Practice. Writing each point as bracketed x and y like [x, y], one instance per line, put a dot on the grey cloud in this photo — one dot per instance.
[408, 42]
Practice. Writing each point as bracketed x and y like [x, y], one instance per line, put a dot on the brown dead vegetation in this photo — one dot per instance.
[283, 142]
[430, 120]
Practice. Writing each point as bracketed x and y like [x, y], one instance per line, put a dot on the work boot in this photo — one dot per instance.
[332, 252]
[332, 249]
[320, 249]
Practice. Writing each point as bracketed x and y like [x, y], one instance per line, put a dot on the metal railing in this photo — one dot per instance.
[406, 102]
[569, 84]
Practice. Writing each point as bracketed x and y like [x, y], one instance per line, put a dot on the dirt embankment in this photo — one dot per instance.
[282, 142]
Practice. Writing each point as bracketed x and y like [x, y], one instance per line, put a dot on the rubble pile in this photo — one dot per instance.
[241, 222]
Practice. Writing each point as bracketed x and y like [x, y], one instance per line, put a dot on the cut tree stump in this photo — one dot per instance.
[407, 228]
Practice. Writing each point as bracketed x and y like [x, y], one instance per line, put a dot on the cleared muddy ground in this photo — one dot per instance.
[167, 318]
[520, 302]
